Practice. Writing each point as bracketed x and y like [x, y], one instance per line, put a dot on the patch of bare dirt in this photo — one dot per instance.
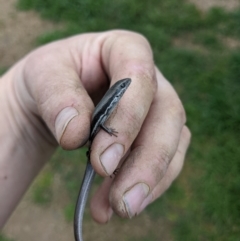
[41, 223]
[186, 42]
[206, 4]
[231, 42]
[18, 31]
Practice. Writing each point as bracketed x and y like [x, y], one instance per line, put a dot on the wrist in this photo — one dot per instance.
[24, 145]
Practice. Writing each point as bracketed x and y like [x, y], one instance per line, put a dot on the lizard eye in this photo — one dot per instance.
[123, 85]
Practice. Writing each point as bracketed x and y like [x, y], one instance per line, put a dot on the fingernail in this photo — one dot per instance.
[134, 198]
[111, 157]
[62, 120]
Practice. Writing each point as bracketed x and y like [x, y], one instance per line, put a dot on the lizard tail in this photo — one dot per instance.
[82, 199]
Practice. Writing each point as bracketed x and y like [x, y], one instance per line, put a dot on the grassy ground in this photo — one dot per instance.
[2, 238]
[193, 51]
[2, 70]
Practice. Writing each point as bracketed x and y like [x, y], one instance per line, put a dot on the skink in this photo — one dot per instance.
[100, 115]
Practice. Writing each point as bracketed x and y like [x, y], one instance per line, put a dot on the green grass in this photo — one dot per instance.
[42, 188]
[2, 238]
[69, 212]
[209, 40]
[204, 203]
[2, 71]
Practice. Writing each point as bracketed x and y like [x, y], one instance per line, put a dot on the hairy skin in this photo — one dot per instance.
[47, 99]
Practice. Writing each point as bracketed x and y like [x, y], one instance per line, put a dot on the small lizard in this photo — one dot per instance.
[101, 114]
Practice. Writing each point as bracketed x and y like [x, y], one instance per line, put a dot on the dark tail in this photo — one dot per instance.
[82, 200]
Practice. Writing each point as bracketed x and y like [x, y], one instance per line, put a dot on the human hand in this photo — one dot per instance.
[50, 95]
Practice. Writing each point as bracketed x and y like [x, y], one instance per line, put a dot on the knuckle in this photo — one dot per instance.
[141, 38]
[34, 57]
[130, 34]
[144, 71]
[186, 133]
[176, 110]
[140, 61]
[162, 160]
[40, 59]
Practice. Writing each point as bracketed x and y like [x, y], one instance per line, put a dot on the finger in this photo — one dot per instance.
[101, 210]
[173, 170]
[151, 152]
[100, 206]
[125, 55]
[55, 92]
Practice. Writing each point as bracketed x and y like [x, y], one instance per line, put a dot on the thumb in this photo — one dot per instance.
[53, 90]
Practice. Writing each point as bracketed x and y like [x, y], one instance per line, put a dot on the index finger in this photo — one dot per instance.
[125, 55]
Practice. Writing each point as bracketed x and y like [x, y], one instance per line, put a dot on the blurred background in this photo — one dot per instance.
[196, 45]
